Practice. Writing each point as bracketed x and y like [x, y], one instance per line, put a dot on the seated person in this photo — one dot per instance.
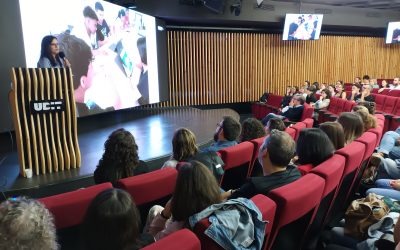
[365, 95]
[369, 120]
[386, 187]
[251, 129]
[340, 93]
[293, 112]
[395, 84]
[385, 85]
[274, 157]
[195, 189]
[287, 97]
[112, 221]
[323, 102]
[389, 145]
[184, 149]
[226, 134]
[313, 147]
[334, 131]
[353, 126]
[26, 224]
[274, 123]
[311, 98]
[355, 91]
[120, 158]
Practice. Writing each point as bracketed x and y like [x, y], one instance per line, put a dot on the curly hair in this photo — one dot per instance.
[26, 224]
[251, 129]
[120, 157]
[368, 119]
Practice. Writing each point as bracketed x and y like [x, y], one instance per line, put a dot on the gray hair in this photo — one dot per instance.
[300, 97]
[281, 147]
[26, 224]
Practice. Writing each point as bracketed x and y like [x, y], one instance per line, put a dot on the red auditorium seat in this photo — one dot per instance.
[307, 112]
[394, 92]
[237, 161]
[379, 102]
[291, 132]
[324, 113]
[304, 169]
[266, 206]
[331, 171]
[69, 208]
[151, 186]
[354, 153]
[255, 165]
[390, 103]
[378, 132]
[395, 120]
[348, 106]
[297, 204]
[298, 127]
[183, 240]
[309, 122]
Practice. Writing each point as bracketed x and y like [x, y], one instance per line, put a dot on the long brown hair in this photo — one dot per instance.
[352, 126]
[335, 133]
[184, 144]
[196, 188]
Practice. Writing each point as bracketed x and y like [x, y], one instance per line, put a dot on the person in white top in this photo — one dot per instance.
[396, 84]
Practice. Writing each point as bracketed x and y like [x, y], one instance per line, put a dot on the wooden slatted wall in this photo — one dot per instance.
[216, 67]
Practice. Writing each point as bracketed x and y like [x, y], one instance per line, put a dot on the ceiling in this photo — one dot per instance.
[369, 4]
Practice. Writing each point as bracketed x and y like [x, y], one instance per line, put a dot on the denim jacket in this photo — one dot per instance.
[235, 224]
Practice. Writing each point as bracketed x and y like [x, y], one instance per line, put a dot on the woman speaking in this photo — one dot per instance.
[50, 55]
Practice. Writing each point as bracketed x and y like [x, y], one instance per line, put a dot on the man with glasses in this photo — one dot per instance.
[293, 112]
[274, 156]
[365, 95]
[226, 134]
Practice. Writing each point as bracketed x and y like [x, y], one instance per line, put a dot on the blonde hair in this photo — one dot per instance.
[368, 119]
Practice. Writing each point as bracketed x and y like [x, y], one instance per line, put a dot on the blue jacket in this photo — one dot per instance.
[235, 224]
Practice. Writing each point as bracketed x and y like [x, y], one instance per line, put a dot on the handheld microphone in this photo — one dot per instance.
[61, 54]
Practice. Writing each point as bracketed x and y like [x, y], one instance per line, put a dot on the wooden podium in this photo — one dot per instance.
[44, 116]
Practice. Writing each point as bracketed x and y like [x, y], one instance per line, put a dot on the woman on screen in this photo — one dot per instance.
[50, 56]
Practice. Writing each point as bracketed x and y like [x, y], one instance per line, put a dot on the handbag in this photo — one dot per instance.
[362, 213]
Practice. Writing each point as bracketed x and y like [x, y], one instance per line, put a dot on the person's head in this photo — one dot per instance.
[313, 146]
[384, 84]
[373, 81]
[227, 129]
[365, 79]
[98, 7]
[335, 133]
[357, 79]
[91, 20]
[369, 105]
[396, 81]
[339, 87]
[295, 89]
[367, 89]
[80, 56]
[356, 88]
[251, 129]
[112, 221]
[339, 82]
[331, 88]
[276, 151]
[196, 188]
[298, 99]
[184, 144]
[316, 84]
[322, 86]
[352, 126]
[311, 90]
[26, 224]
[326, 94]
[120, 157]
[121, 13]
[306, 83]
[50, 49]
[368, 120]
[302, 89]
[141, 45]
[274, 123]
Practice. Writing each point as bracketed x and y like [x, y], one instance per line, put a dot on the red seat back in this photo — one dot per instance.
[348, 106]
[237, 161]
[298, 127]
[396, 109]
[274, 100]
[379, 102]
[291, 132]
[369, 140]
[390, 103]
[305, 169]
[297, 204]
[333, 104]
[70, 208]
[308, 112]
[257, 144]
[309, 122]
[394, 92]
[183, 240]
[151, 186]
[340, 106]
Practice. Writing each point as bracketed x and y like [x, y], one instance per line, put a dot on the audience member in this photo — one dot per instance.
[365, 80]
[293, 112]
[322, 87]
[311, 98]
[390, 145]
[374, 83]
[384, 86]
[274, 157]
[287, 97]
[184, 149]
[120, 158]
[323, 102]
[386, 187]
[369, 120]
[352, 126]
[251, 129]
[195, 189]
[334, 131]
[313, 147]
[355, 91]
[274, 123]
[331, 88]
[340, 93]
[365, 95]
[226, 134]
[395, 84]
[357, 80]
[369, 105]
[112, 221]
[26, 224]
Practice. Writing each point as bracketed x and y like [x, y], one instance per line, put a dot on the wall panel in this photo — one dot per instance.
[216, 67]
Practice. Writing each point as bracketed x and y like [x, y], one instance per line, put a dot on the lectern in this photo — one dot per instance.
[44, 116]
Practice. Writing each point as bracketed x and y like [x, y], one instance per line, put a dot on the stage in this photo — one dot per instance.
[152, 128]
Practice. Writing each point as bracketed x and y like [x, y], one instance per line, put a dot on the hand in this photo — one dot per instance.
[395, 184]
[167, 210]
[320, 98]
[67, 63]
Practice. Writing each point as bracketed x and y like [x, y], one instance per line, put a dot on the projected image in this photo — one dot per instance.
[393, 33]
[112, 50]
[302, 27]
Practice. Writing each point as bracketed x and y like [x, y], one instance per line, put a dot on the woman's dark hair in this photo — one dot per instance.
[45, 51]
[352, 124]
[184, 144]
[328, 93]
[112, 221]
[196, 188]
[316, 84]
[357, 85]
[251, 129]
[120, 157]
[313, 146]
[335, 133]
[370, 106]
[275, 123]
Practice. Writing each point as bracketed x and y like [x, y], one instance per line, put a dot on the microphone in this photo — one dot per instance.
[61, 54]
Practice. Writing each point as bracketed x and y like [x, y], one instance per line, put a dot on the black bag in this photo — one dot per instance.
[264, 97]
[213, 162]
